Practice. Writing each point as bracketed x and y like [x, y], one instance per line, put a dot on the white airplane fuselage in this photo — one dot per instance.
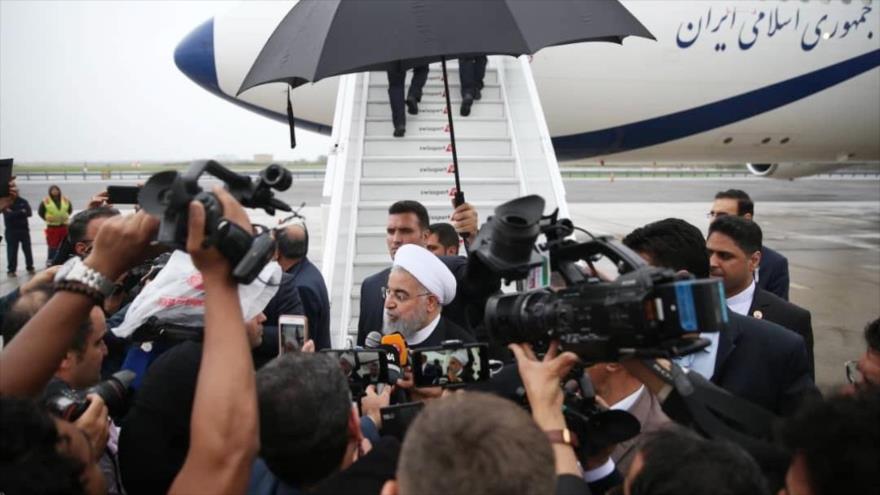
[726, 82]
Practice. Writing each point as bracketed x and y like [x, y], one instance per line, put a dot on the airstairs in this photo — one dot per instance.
[504, 151]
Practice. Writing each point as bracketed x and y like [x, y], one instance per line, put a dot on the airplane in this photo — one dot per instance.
[788, 88]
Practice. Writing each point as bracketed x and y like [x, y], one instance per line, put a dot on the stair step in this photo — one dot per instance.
[434, 93]
[368, 264]
[438, 109]
[435, 168]
[435, 76]
[464, 127]
[374, 214]
[418, 190]
[436, 147]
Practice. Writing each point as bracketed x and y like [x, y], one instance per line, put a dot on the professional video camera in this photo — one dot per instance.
[71, 404]
[646, 312]
[167, 195]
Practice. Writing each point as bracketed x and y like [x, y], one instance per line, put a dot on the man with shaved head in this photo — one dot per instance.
[304, 278]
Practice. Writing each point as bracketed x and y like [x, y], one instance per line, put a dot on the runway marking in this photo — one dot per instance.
[799, 286]
[834, 239]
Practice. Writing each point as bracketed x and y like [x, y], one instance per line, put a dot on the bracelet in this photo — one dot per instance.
[80, 288]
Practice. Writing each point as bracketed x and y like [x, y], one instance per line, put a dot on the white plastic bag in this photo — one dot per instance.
[177, 296]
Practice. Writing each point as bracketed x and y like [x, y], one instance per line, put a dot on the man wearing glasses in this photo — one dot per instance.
[418, 287]
[772, 273]
[81, 233]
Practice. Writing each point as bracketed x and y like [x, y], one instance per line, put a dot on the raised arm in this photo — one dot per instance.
[29, 360]
[224, 434]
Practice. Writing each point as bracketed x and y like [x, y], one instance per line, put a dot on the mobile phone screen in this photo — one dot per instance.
[450, 366]
[291, 335]
[123, 195]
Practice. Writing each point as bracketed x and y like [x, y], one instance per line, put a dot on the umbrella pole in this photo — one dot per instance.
[459, 196]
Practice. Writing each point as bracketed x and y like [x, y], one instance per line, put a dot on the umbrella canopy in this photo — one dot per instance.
[323, 38]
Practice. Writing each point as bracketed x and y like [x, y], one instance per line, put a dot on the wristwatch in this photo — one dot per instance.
[563, 436]
[75, 276]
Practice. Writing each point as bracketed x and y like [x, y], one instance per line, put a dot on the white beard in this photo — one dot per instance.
[406, 326]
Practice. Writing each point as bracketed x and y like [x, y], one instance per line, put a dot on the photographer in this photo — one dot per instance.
[753, 359]
[223, 441]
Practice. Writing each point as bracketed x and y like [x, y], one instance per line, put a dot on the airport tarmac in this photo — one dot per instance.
[828, 228]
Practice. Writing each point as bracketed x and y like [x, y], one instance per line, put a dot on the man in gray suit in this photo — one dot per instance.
[624, 392]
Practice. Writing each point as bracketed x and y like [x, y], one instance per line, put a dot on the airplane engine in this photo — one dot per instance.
[791, 170]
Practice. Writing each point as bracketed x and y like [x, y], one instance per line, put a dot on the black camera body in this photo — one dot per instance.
[167, 195]
[71, 404]
[595, 426]
[646, 312]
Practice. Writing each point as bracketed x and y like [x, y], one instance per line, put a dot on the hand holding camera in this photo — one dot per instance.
[122, 243]
[206, 257]
[542, 379]
[95, 423]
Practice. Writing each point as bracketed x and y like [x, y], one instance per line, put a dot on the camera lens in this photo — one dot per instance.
[277, 177]
[524, 317]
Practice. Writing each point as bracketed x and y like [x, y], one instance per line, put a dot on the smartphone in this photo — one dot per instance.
[453, 364]
[397, 418]
[293, 331]
[5, 175]
[361, 367]
[123, 195]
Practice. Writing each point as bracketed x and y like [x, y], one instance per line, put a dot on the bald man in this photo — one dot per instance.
[301, 280]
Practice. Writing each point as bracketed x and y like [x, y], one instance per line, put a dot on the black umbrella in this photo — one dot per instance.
[323, 38]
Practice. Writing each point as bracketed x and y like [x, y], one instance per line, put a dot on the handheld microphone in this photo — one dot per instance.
[399, 343]
[373, 340]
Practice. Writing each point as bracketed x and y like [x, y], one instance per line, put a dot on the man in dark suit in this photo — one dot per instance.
[734, 248]
[772, 274]
[302, 276]
[408, 224]
[754, 359]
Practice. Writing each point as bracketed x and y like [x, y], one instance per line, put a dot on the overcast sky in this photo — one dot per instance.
[96, 81]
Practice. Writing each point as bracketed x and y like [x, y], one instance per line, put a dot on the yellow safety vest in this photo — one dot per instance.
[56, 216]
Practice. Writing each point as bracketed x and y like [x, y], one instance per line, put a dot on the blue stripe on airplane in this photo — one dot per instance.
[710, 116]
[194, 56]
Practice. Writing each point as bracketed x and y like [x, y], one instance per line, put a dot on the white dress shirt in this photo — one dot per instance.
[702, 361]
[628, 401]
[741, 302]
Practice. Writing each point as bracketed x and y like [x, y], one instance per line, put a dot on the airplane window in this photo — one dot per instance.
[765, 140]
[784, 140]
[728, 140]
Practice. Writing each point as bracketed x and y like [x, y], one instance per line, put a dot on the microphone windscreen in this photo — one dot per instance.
[373, 340]
[399, 343]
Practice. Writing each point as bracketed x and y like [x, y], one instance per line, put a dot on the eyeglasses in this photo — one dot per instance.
[400, 295]
[853, 375]
[716, 214]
